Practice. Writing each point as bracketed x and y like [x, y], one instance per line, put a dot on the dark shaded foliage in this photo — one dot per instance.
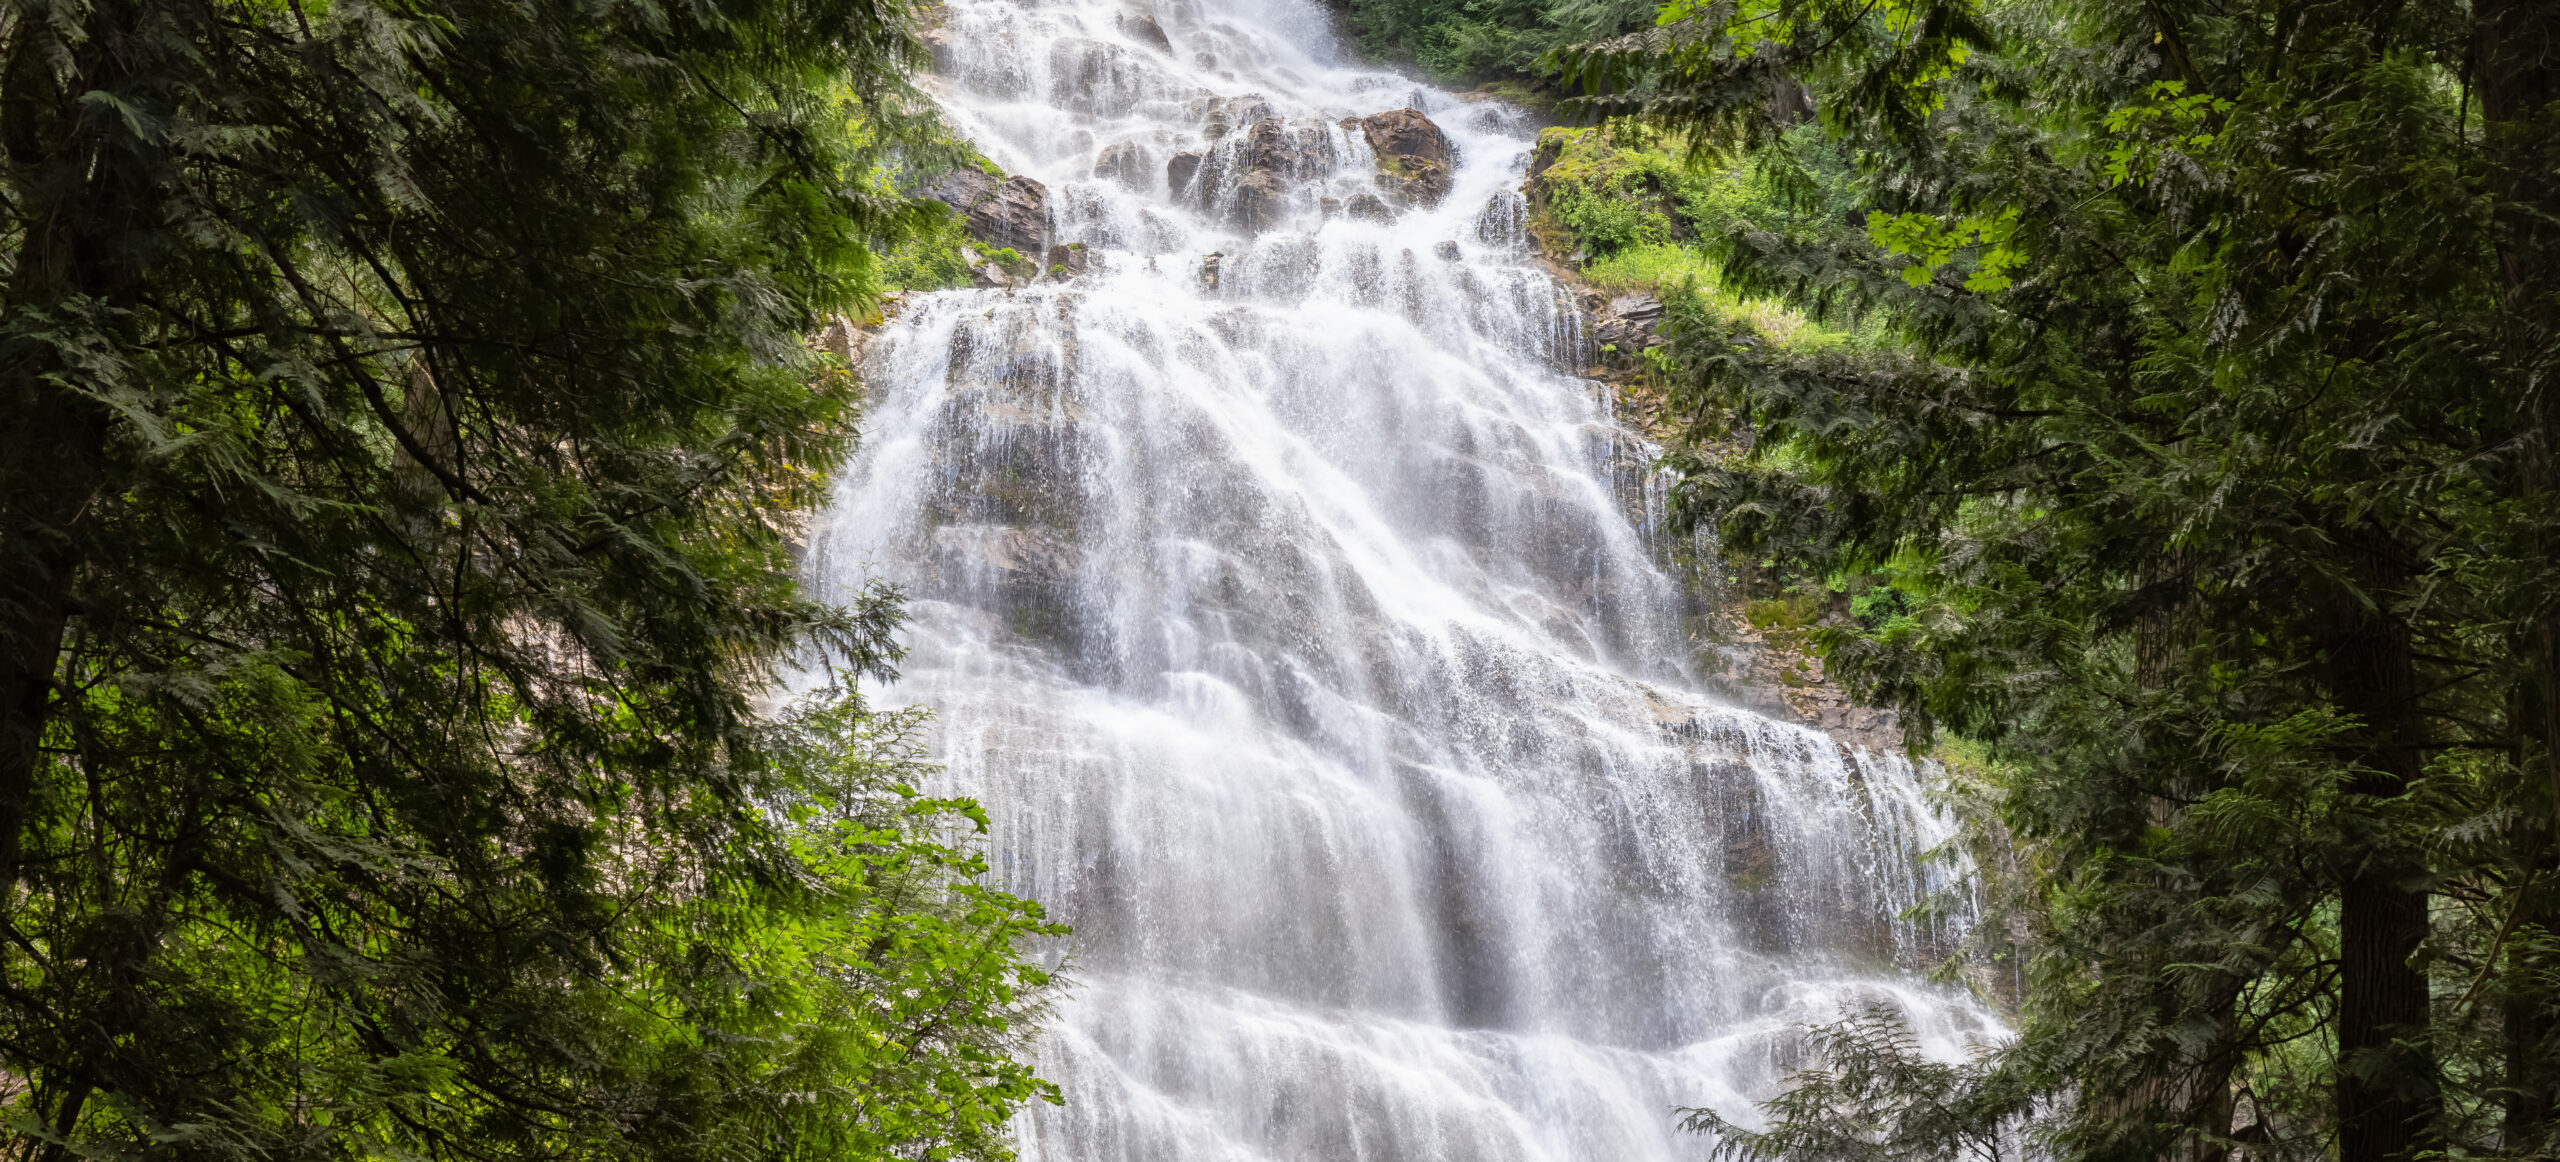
[407, 418]
[1478, 40]
[2214, 479]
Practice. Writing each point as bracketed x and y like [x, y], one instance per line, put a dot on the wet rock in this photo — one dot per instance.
[1329, 206]
[1256, 175]
[1636, 308]
[1012, 213]
[1219, 116]
[1142, 27]
[996, 270]
[1067, 260]
[1504, 222]
[1180, 169]
[1447, 250]
[1272, 158]
[935, 35]
[1413, 154]
[1370, 208]
[937, 41]
[1124, 163]
[1209, 271]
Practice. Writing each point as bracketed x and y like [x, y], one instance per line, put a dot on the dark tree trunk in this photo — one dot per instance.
[2386, 1093]
[2516, 52]
[81, 250]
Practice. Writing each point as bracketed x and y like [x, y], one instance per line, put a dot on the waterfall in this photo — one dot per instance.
[1283, 593]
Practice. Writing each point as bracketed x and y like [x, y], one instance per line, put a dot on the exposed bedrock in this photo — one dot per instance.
[1413, 154]
[1256, 172]
[1009, 212]
[1143, 28]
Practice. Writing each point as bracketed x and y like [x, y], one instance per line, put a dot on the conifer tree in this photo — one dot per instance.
[407, 414]
[2209, 467]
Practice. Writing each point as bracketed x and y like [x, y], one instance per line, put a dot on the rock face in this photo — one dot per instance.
[1180, 169]
[1630, 323]
[1012, 213]
[1143, 28]
[1067, 260]
[1271, 160]
[1255, 174]
[1370, 208]
[1413, 154]
[1124, 163]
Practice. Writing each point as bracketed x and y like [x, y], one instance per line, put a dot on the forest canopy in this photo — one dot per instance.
[2201, 476]
[409, 424]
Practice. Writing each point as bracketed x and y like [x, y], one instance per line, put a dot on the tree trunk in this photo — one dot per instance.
[2386, 1088]
[2516, 49]
[80, 254]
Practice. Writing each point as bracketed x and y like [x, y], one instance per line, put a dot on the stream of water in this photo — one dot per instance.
[1297, 627]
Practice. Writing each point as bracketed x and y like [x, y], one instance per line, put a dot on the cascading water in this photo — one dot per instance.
[1282, 607]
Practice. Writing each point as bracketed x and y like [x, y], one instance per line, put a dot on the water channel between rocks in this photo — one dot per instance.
[1286, 611]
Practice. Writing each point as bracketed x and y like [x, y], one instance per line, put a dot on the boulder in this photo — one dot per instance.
[1272, 159]
[1124, 163]
[937, 41]
[1219, 116]
[1067, 260]
[1257, 174]
[1413, 155]
[1370, 208]
[1143, 28]
[1180, 169]
[1009, 212]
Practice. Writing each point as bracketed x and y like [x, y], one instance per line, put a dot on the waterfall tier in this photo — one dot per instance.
[1275, 584]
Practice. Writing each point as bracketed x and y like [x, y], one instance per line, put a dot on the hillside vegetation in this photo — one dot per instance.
[2191, 440]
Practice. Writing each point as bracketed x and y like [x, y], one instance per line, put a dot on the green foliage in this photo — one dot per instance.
[1478, 40]
[894, 1009]
[1637, 206]
[2208, 485]
[409, 431]
[1872, 1095]
[929, 259]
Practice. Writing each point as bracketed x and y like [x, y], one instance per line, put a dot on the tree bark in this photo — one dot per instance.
[2516, 51]
[80, 252]
[2387, 1101]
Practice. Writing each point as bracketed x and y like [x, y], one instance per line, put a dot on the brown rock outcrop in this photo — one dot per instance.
[1413, 154]
[1011, 212]
[1257, 173]
[1143, 28]
[1124, 163]
[1370, 208]
[1630, 323]
[1271, 158]
[1067, 260]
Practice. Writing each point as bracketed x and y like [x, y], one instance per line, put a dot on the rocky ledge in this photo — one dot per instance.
[1414, 157]
[1012, 213]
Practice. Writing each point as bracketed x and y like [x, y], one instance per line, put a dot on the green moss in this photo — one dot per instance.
[1627, 204]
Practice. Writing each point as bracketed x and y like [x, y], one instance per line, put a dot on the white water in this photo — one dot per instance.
[1299, 639]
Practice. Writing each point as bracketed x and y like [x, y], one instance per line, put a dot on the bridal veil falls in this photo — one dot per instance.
[1290, 602]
